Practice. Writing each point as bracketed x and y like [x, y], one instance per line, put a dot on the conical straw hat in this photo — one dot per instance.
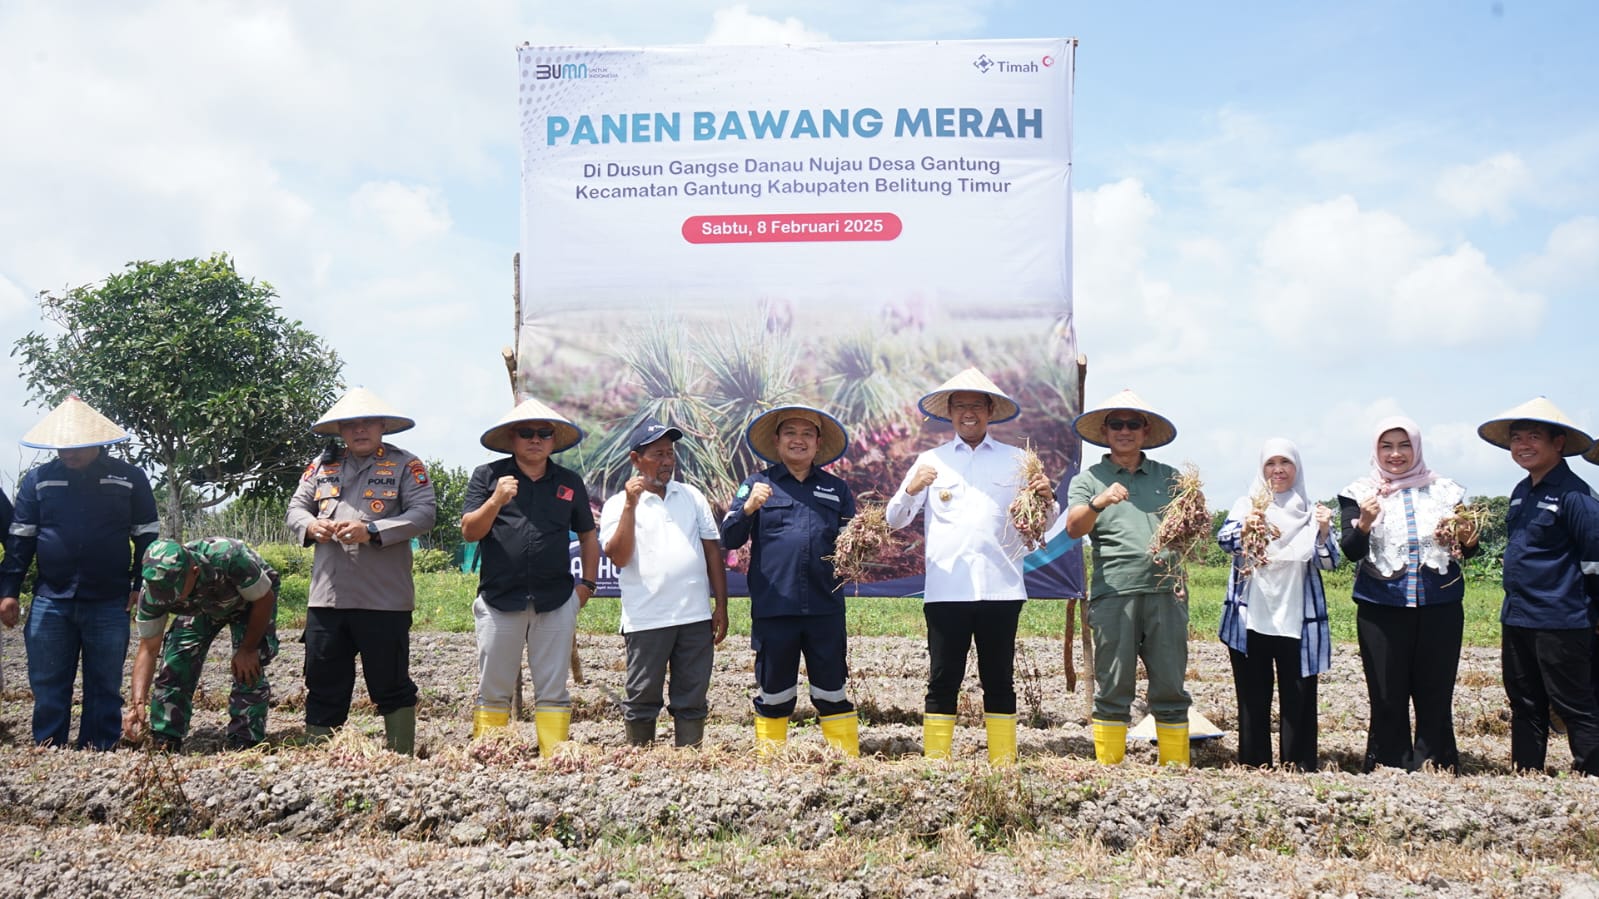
[73, 425]
[936, 404]
[362, 403]
[1091, 424]
[1497, 430]
[762, 433]
[498, 438]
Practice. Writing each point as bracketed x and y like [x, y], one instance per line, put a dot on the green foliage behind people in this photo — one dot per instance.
[195, 360]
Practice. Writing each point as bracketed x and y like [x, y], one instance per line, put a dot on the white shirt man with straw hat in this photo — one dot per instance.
[1547, 620]
[974, 581]
[1134, 606]
[522, 510]
[360, 505]
[87, 519]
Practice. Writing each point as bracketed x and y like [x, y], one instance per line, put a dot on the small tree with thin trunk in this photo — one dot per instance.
[218, 388]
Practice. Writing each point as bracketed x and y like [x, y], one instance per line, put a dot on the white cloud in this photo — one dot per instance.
[1486, 188]
[406, 213]
[737, 25]
[12, 302]
[1333, 269]
[1570, 257]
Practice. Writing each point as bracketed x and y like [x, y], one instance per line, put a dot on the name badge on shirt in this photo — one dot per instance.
[825, 493]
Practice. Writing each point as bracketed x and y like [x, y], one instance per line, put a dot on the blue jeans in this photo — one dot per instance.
[58, 631]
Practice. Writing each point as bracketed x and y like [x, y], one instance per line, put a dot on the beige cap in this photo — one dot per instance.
[1497, 430]
[936, 404]
[73, 425]
[1091, 424]
[762, 433]
[361, 403]
[529, 411]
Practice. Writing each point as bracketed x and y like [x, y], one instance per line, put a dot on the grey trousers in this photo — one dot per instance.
[1133, 626]
[501, 639]
[688, 651]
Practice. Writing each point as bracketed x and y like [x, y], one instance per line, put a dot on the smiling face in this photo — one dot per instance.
[970, 411]
[361, 435]
[656, 464]
[1395, 455]
[1279, 473]
[797, 442]
[1535, 448]
[1125, 432]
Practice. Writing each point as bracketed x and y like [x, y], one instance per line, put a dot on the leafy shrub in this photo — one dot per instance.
[431, 560]
[287, 558]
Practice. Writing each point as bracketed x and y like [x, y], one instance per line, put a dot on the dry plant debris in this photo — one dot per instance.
[860, 543]
[1461, 527]
[1258, 532]
[1184, 524]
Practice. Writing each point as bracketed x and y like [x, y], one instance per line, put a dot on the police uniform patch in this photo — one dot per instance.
[369, 494]
[382, 450]
[419, 472]
[377, 506]
[390, 494]
[309, 470]
[383, 473]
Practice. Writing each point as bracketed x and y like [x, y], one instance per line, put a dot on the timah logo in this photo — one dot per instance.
[546, 71]
[983, 63]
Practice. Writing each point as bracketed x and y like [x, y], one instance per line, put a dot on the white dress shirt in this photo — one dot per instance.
[973, 551]
[665, 583]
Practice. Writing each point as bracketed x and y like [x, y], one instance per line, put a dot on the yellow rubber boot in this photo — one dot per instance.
[1001, 739]
[1171, 742]
[938, 733]
[770, 735]
[1110, 741]
[489, 718]
[842, 732]
[552, 724]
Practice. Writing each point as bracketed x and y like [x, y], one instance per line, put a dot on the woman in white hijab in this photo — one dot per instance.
[1274, 619]
[1408, 592]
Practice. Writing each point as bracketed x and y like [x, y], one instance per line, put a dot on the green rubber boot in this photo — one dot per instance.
[399, 730]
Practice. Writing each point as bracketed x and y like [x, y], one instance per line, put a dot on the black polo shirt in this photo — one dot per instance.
[526, 555]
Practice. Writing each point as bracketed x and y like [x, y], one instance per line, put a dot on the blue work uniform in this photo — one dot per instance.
[1552, 540]
[88, 529]
[796, 599]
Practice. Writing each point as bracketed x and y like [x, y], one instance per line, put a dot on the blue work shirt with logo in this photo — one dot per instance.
[791, 533]
[1552, 540]
[87, 527]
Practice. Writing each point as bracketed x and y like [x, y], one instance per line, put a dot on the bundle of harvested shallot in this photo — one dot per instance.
[1461, 527]
[860, 543]
[1029, 512]
[1258, 532]
[1184, 523]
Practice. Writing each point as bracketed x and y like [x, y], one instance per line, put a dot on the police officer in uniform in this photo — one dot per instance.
[361, 505]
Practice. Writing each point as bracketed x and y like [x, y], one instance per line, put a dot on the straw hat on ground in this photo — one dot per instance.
[1091, 424]
[530, 411]
[73, 425]
[361, 403]
[936, 404]
[762, 433]
[1497, 430]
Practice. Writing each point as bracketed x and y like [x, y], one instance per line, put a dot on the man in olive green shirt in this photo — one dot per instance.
[1135, 608]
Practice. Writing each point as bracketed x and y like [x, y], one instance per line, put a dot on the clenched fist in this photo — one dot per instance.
[922, 478]
[634, 488]
[504, 490]
[759, 494]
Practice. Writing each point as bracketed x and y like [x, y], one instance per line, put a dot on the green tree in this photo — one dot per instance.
[218, 388]
[449, 489]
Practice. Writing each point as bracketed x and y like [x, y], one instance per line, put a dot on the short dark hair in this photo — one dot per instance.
[1550, 429]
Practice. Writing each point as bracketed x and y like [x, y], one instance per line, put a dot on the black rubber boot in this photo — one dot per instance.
[688, 731]
[640, 731]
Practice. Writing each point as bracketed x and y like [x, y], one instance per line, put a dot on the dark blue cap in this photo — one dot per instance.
[648, 431]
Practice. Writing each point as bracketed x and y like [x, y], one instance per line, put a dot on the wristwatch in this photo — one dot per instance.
[372, 531]
[1097, 510]
[587, 583]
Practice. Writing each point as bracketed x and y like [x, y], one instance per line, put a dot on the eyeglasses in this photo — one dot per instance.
[1122, 424]
[540, 433]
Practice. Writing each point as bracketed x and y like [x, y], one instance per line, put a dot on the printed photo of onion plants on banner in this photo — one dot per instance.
[711, 232]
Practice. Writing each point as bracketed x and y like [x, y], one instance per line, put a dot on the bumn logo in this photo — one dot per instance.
[545, 71]
[983, 63]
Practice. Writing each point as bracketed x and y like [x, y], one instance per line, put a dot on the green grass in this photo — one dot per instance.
[444, 603]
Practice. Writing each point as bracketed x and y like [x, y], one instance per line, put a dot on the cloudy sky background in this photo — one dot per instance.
[1291, 221]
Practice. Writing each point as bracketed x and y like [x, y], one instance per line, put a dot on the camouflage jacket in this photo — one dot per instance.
[232, 575]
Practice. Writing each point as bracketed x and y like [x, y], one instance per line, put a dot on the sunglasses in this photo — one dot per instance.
[540, 433]
[1122, 424]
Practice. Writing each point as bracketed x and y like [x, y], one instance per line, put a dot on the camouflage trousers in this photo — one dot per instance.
[182, 654]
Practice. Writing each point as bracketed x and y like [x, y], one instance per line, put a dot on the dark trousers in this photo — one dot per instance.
[952, 628]
[333, 638]
[1545, 668]
[686, 652]
[1411, 656]
[1276, 658]
[779, 642]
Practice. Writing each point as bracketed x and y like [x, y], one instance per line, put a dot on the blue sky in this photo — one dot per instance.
[1291, 219]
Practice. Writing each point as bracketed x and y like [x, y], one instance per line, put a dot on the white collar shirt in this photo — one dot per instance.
[665, 583]
[973, 551]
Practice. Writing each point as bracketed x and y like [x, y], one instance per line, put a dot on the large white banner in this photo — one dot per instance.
[709, 231]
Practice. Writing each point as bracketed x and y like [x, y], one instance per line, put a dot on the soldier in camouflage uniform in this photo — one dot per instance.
[209, 585]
